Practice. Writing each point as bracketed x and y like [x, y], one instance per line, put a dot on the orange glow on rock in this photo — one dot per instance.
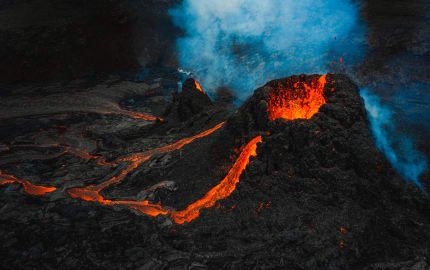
[198, 86]
[28, 187]
[298, 101]
[132, 114]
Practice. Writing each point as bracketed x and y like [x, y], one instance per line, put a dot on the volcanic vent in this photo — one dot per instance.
[291, 99]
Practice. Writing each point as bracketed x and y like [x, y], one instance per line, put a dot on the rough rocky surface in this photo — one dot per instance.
[190, 101]
[319, 195]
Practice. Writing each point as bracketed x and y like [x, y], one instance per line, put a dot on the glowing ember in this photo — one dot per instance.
[298, 100]
[199, 87]
[28, 187]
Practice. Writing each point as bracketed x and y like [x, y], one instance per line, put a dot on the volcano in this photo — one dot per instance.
[290, 180]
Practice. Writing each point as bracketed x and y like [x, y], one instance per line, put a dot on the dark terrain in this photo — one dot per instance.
[318, 194]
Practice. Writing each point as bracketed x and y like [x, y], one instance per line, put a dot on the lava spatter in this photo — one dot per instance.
[296, 100]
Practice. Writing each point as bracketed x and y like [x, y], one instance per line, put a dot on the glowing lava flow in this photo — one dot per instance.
[131, 114]
[92, 192]
[297, 101]
[28, 187]
[223, 189]
[219, 192]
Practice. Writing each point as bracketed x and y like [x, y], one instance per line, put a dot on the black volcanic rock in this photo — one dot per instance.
[190, 101]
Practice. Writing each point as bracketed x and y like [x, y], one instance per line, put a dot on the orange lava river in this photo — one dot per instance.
[299, 100]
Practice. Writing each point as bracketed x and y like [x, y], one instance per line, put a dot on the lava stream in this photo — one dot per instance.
[91, 193]
[223, 189]
[132, 114]
[219, 192]
[28, 187]
[299, 100]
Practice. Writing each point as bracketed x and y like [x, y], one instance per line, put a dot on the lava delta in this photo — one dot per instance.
[290, 180]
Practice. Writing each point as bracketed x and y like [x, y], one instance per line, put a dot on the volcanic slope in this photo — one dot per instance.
[316, 193]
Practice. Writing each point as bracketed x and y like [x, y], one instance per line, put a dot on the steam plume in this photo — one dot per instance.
[243, 43]
[398, 148]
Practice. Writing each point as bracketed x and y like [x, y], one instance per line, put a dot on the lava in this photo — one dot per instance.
[28, 187]
[223, 189]
[298, 100]
[138, 158]
[199, 87]
[132, 114]
[219, 192]
[92, 192]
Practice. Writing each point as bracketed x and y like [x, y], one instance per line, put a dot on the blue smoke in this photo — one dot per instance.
[413, 105]
[243, 43]
[398, 148]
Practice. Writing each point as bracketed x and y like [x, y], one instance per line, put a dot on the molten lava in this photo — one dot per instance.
[28, 187]
[223, 189]
[199, 87]
[92, 192]
[219, 192]
[135, 115]
[297, 99]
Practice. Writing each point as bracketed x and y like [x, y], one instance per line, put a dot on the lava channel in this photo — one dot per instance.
[92, 192]
[132, 114]
[219, 192]
[298, 100]
[28, 187]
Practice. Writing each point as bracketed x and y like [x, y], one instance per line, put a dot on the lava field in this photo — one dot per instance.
[290, 179]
